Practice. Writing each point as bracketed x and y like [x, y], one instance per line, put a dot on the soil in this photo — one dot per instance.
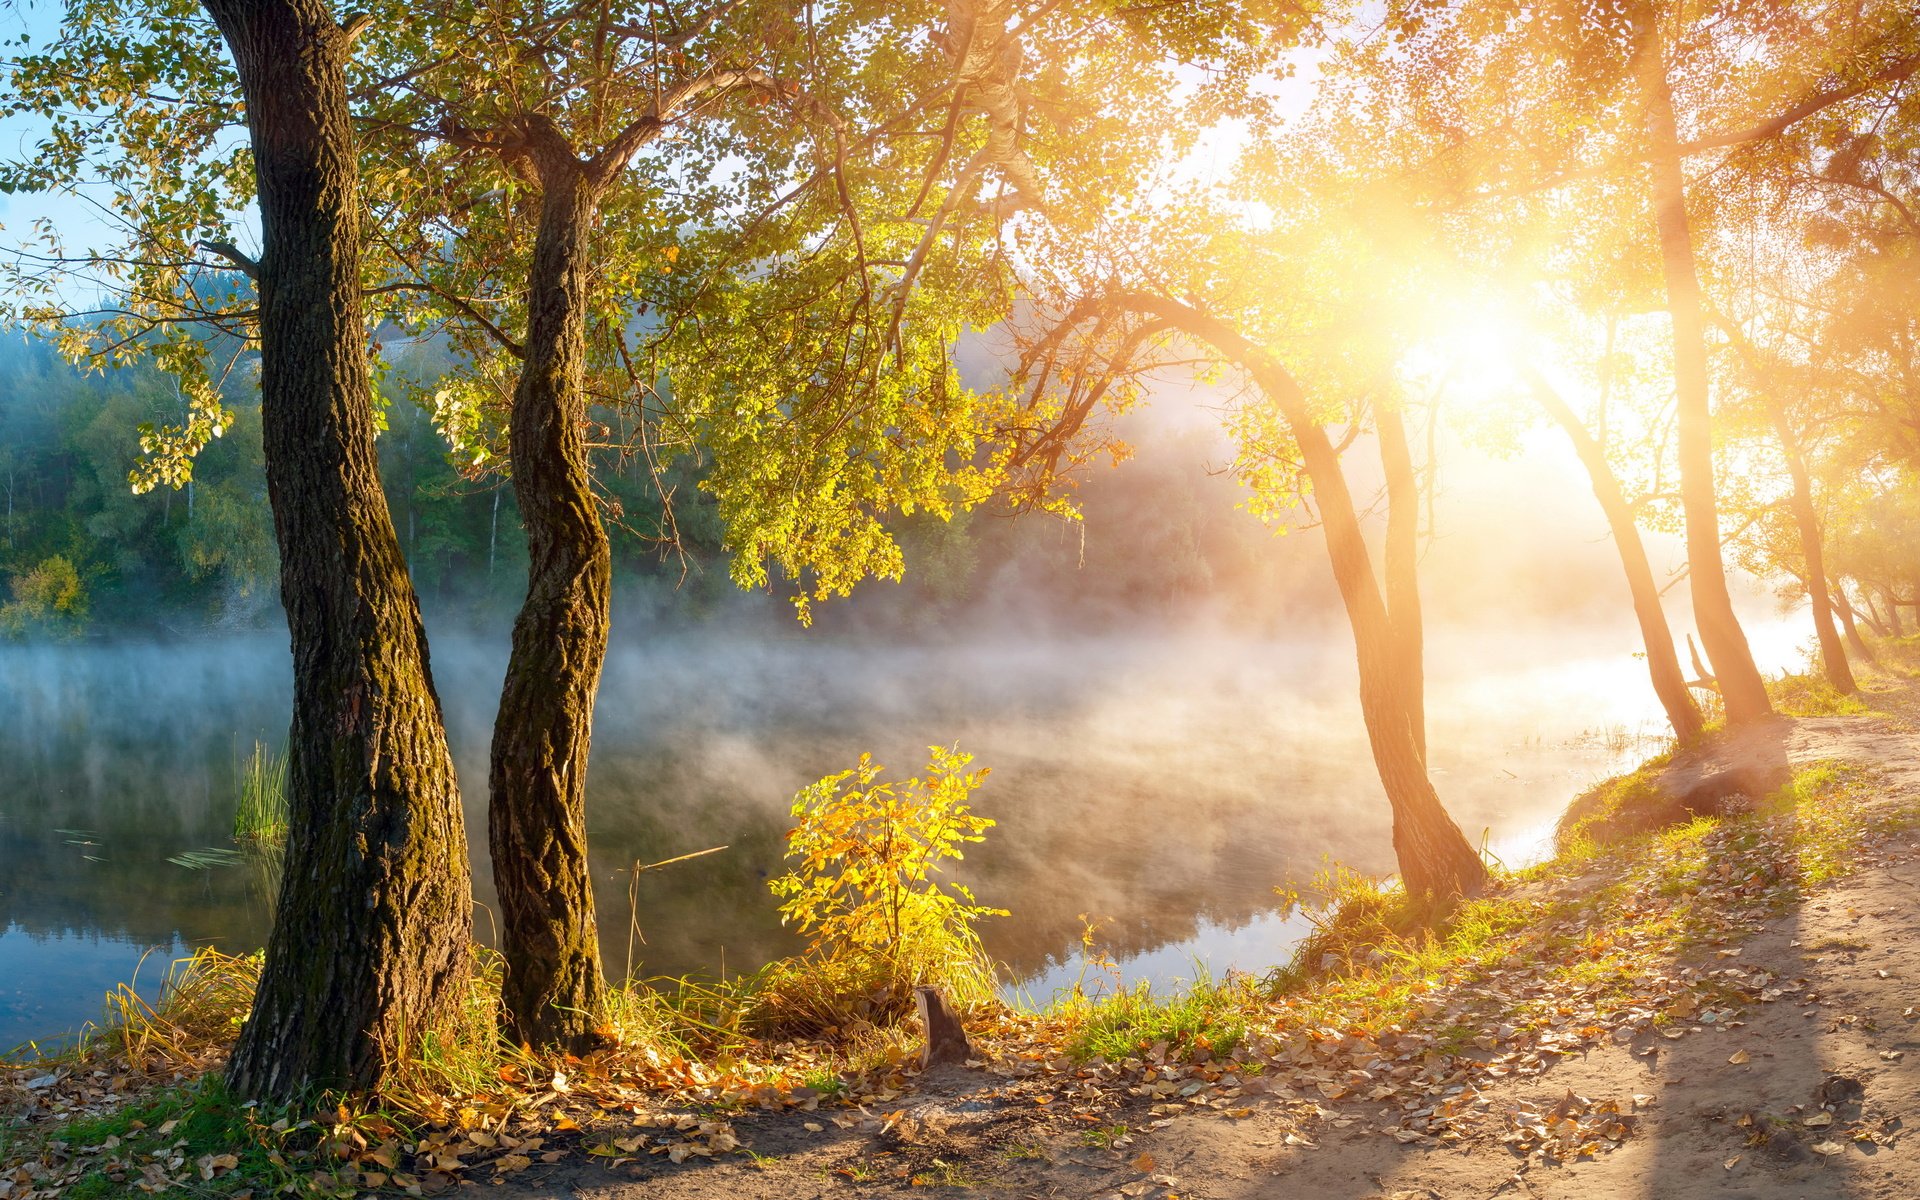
[1736, 1109]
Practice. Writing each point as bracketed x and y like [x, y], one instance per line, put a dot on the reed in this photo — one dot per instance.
[261, 815]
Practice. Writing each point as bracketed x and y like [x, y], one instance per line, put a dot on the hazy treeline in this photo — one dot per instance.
[203, 556]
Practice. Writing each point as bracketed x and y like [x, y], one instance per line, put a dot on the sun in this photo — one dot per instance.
[1472, 341]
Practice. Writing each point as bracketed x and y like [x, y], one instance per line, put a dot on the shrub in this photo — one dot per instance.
[863, 889]
[49, 598]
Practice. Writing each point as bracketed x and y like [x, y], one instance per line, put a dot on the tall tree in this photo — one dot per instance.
[370, 939]
[1436, 860]
[1400, 565]
[686, 129]
[1800, 503]
[1741, 687]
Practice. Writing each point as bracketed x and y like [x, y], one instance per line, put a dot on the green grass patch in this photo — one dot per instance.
[1616, 809]
[197, 1139]
[1808, 694]
[260, 815]
[1134, 1022]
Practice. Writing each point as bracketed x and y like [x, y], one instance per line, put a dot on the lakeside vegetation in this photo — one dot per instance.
[1620, 928]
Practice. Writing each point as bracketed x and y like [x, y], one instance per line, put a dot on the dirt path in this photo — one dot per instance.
[1804, 1094]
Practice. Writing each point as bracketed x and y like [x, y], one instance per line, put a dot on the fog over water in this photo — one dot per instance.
[1161, 782]
[1165, 693]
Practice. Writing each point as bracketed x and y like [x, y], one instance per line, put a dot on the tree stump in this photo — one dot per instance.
[946, 1040]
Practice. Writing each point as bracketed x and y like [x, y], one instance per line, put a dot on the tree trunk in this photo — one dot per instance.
[1833, 655]
[553, 994]
[1870, 614]
[1401, 564]
[1895, 628]
[1663, 661]
[1741, 687]
[1859, 644]
[1436, 860]
[371, 936]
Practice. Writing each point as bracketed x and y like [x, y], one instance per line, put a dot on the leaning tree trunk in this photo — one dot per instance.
[1871, 614]
[1663, 661]
[553, 994]
[1833, 655]
[1435, 859]
[371, 935]
[1859, 644]
[1741, 686]
[1895, 628]
[1401, 564]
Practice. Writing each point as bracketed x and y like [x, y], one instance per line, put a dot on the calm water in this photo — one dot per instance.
[1161, 785]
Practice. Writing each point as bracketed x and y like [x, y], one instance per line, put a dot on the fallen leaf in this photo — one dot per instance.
[1739, 1057]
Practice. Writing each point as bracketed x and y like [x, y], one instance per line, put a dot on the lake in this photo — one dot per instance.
[1159, 784]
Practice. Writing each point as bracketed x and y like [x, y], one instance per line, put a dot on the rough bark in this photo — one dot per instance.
[553, 993]
[1435, 859]
[1741, 687]
[1663, 661]
[1401, 564]
[371, 936]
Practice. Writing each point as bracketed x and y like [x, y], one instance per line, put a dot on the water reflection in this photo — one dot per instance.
[1160, 785]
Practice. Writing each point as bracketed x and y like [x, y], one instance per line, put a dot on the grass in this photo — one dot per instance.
[1588, 921]
[222, 1145]
[944, 1174]
[261, 814]
[1615, 809]
[1204, 1017]
[1808, 694]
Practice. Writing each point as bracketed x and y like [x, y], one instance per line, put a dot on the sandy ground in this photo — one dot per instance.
[1748, 1108]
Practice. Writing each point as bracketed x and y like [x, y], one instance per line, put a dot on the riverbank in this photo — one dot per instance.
[1661, 1008]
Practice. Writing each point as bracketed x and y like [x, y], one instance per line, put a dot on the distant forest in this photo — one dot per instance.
[83, 555]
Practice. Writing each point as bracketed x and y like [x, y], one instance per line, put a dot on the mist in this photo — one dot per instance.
[1165, 694]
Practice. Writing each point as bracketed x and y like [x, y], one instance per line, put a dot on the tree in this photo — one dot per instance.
[370, 941]
[1436, 860]
[1741, 687]
[1400, 563]
[669, 123]
[1663, 663]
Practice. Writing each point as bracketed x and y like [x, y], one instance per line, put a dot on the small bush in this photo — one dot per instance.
[863, 889]
[1613, 810]
[1352, 916]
